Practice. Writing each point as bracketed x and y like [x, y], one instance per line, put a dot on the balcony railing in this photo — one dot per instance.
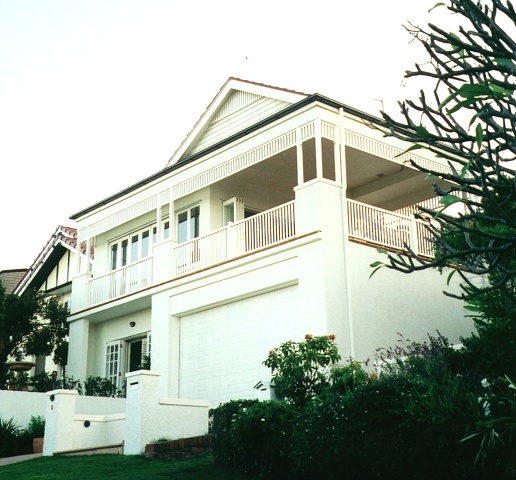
[387, 229]
[121, 281]
[366, 223]
[246, 236]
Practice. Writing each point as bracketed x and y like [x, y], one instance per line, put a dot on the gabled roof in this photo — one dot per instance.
[11, 278]
[233, 100]
[63, 239]
[184, 154]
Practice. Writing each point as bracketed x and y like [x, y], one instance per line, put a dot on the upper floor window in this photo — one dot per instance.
[135, 246]
[188, 224]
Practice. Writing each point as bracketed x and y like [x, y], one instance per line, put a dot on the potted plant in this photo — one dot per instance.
[36, 430]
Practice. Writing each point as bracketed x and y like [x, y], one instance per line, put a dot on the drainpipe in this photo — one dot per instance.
[345, 231]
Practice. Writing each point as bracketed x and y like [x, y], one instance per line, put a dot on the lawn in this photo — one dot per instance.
[126, 467]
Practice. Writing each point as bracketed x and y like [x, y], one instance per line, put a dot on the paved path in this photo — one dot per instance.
[19, 458]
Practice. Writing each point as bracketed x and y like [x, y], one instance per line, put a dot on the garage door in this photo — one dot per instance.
[222, 349]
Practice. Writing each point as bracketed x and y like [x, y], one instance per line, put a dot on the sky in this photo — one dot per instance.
[96, 95]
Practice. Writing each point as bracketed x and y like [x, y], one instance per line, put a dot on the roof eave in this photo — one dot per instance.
[287, 111]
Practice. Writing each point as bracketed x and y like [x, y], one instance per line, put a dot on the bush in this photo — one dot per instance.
[101, 387]
[36, 427]
[261, 439]
[221, 420]
[13, 441]
[300, 369]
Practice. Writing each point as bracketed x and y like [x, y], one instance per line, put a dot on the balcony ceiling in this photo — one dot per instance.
[383, 183]
[371, 179]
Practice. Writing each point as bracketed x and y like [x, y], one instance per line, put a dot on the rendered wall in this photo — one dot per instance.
[150, 417]
[392, 302]
[20, 406]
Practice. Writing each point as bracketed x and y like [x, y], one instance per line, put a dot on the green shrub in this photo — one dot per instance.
[261, 439]
[346, 378]
[101, 387]
[13, 441]
[300, 370]
[221, 420]
[36, 427]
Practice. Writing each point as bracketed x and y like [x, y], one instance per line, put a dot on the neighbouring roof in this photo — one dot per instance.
[63, 239]
[11, 278]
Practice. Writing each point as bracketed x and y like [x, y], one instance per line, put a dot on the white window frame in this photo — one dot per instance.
[189, 234]
[114, 361]
[232, 210]
[127, 241]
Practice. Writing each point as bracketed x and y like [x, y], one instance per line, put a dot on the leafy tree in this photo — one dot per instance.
[31, 325]
[469, 120]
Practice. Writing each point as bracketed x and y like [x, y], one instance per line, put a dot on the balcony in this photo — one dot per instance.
[366, 224]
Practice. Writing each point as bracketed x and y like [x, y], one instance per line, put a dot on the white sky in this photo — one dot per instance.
[95, 95]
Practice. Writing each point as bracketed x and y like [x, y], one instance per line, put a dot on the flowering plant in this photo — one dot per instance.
[300, 370]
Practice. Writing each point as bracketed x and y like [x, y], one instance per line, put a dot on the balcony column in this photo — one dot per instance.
[345, 234]
[78, 349]
[337, 155]
[163, 261]
[158, 218]
[318, 150]
[299, 158]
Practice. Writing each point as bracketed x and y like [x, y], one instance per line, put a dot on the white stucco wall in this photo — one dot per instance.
[392, 302]
[114, 329]
[150, 417]
[20, 406]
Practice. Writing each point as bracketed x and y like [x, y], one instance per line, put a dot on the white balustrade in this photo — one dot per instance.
[258, 231]
[121, 281]
[388, 229]
[366, 223]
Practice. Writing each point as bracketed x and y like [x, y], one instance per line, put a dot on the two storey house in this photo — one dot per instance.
[261, 228]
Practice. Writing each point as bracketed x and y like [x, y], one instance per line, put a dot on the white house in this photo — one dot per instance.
[261, 228]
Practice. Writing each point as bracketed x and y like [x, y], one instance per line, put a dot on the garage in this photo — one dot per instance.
[222, 349]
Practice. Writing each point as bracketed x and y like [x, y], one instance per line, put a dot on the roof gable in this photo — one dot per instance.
[238, 105]
[62, 240]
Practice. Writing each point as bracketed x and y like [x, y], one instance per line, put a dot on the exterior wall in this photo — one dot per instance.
[212, 332]
[391, 302]
[115, 329]
[20, 406]
[150, 417]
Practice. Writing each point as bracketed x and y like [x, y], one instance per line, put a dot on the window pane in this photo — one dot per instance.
[182, 227]
[194, 222]
[229, 213]
[166, 230]
[124, 252]
[114, 254]
[134, 248]
[154, 234]
[145, 244]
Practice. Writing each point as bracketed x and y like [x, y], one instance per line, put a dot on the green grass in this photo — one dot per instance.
[124, 467]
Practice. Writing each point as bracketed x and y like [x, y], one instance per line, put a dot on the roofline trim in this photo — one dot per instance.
[287, 111]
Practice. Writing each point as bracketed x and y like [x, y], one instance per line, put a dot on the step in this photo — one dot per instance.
[180, 449]
[116, 449]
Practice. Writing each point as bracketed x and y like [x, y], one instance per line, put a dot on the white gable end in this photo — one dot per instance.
[239, 105]
[241, 110]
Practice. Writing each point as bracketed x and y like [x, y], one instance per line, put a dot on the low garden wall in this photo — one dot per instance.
[20, 406]
[74, 422]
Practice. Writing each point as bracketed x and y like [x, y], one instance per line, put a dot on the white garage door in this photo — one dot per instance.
[222, 349]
